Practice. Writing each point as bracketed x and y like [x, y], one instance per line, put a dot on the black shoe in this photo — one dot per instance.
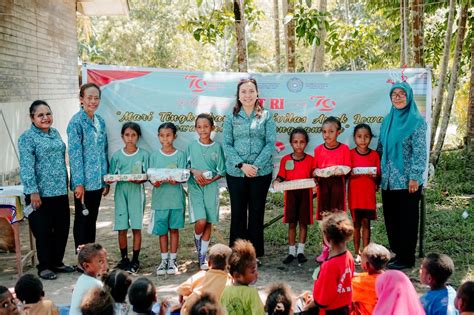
[134, 267]
[399, 265]
[47, 274]
[301, 258]
[259, 263]
[123, 264]
[64, 269]
[288, 259]
[79, 269]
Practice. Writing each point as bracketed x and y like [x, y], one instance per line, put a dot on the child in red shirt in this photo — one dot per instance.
[362, 186]
[332, 292]
[298, 204]
[331, 190]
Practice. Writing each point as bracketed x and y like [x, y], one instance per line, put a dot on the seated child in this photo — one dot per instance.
[117, 283]
[332, 291]
[97, 301]
[239, 298]
[465, 298]
[29, 290]
[7, 302]
[92, 258]
[396, 295]
[374, 258]
[205, 305]
[279, 300]
[142, 296]
[212, 282]
[434, 272]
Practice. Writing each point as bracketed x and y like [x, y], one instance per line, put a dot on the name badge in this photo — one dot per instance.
[290, 165]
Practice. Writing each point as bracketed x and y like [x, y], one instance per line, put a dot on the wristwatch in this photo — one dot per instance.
[239, 165]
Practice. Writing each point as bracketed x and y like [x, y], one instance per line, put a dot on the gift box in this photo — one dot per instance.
[124, 177]
[364, 171]
[162, 174]
[294, 184]
[336, 170]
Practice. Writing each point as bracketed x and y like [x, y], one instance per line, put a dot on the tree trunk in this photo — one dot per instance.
[317, 58]
[470, 111]
[452, 83]
[240, 34]
[290, 37]
[276, 24]
[403, 33]
[417, 32]
[443, 72]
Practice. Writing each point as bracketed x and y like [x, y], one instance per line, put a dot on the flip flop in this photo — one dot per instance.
[47, 274]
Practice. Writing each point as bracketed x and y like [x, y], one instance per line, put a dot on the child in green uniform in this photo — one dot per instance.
[129, 196]
[205, 157]
[167, 202]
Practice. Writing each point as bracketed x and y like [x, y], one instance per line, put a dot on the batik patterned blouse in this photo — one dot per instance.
[87, 141]
[42, 162]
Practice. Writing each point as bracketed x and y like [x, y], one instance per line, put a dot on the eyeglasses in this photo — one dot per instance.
[399, 95]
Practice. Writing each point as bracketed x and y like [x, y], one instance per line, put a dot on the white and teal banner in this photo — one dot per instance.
[152, 96]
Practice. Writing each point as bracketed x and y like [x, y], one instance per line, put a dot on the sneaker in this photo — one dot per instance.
[324, 254]
[123, 264]
[134, 267]
[161, 270]
[203, 263]
[288, 259]
[172, 267]
[357, 260]
[301, 258]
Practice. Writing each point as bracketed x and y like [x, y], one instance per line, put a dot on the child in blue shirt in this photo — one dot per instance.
[435, 271]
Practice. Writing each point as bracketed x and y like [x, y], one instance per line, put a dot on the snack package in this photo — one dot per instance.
[295, 184]
[364, 171]
[180, 175]
[207, 175]
[124, 177]
[336, 170]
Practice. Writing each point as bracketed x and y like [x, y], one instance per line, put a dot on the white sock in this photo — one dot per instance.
[173, 256]
[300, 248]
[197, 236]
[204, 246]
[292, 250]
[164, 256]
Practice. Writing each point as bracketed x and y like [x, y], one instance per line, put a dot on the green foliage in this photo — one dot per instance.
[309, 22]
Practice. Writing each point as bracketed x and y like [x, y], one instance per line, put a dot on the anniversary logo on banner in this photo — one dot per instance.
[150, 97]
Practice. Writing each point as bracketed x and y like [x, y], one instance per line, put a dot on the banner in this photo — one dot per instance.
[150, 97]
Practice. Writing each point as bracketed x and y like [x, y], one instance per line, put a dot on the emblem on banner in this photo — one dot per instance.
[323, 103]
[294, 85]
[199, 85]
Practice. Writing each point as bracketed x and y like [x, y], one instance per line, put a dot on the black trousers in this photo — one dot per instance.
[50, 226]
[402, 212]
[247, 202]
[84, 225]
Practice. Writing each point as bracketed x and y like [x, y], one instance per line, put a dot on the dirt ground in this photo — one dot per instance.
[60, 290]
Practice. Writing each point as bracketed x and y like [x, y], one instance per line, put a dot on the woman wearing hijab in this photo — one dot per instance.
[404, 157]
[396, 295]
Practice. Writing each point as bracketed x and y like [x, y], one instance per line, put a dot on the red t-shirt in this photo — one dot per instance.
[324, 157]
[291, 169]
[333, 288]
[362, 187]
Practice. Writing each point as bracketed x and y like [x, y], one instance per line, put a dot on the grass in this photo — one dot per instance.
[448, 195]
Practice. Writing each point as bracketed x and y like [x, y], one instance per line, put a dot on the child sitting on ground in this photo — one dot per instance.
[97, 302]
[434, 272]
[279, 299]
[332, 288]
[205, 305]
[7, 302]
[92, 258]
[117, 283]
[239, 298]
[212, 282]
[142, 297]
[29, 290]
[465, 298]
[374, 258]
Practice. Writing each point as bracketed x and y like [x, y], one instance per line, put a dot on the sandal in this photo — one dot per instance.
[47, 274]
[64, 269]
